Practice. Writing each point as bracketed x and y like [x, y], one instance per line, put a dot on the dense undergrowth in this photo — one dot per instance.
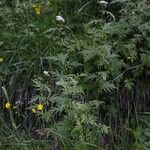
[74, 74]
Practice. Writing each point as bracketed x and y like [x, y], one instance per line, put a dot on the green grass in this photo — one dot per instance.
[96, 84]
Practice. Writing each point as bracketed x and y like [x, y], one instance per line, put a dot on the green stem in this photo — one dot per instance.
[10, 112]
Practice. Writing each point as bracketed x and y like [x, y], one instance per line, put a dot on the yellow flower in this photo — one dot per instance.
[7, 105]
[1, 59]
[37, 9]
[40, 106]
[33, 110]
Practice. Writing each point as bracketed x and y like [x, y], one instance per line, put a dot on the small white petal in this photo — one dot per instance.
[103, 2]
[46, 73]
[60, 18]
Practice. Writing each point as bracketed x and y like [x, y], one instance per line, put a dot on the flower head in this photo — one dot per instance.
[60, 18]
[46, 73]
[33, 110]
[1, 59]
[7, 105]
[40, 106]
[37, 9]
[103, 2]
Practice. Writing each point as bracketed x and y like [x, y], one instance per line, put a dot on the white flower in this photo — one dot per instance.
[103, 2]
[46, 73]
[60, 18]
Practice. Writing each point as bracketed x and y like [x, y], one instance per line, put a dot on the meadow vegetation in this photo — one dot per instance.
[74, 75]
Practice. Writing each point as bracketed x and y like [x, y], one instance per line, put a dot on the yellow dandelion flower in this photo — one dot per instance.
[7, 105]
[33, 110]
[37, 9]
[40, 106]
[1, 59]
[37, 13]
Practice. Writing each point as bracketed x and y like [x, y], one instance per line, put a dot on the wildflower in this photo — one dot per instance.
[102, 2]
[33, 110]
[60, 18]
[37, 9]
[1, 59]
[14, 107]
[40, 106]
[7, 105]
[46, 73]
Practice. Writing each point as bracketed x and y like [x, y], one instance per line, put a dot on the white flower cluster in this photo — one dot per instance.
[60, 18]
[102, 2]
[46, 73]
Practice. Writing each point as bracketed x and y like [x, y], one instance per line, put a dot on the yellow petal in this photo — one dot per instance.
[7, 105]
[33, 110]
[40, 106]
